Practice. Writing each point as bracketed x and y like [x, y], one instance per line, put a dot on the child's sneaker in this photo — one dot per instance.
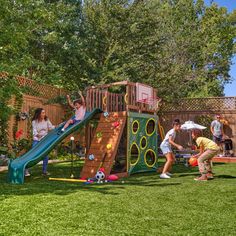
[164, 176]
[201, 178]
[209, 176]
[60, 131]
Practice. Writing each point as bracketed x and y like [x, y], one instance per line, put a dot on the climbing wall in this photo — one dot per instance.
[104, 144]
[142, 142]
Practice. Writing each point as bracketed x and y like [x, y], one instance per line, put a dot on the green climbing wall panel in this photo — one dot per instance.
[142, 142]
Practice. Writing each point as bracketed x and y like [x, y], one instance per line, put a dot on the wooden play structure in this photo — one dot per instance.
[124, 139]
[121, 127]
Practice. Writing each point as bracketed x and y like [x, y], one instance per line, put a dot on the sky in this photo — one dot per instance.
[230, 89]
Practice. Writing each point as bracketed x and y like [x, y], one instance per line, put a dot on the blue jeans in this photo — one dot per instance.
[45, 160]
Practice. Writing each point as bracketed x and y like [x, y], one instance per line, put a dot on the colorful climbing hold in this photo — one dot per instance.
[99, 134]
[91, 157]
[106, 114]
[115, 124]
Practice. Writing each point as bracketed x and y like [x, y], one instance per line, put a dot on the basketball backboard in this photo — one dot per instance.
[143, 92]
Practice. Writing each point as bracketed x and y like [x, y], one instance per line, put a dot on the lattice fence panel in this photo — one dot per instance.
[201, 104]
[36, 89]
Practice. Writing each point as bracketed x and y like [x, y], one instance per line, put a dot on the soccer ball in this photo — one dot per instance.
[100, 175]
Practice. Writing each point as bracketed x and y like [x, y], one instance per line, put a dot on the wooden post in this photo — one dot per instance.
[127, 97]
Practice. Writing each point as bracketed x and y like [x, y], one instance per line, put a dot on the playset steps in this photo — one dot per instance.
[110, 134]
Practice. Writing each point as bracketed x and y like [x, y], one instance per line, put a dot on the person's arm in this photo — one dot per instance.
[35, 132]
[50, 126]
[70, 102]
[201, 150]
[222, 130]
[212, 128]
[171, 141]
[82, 98]
[36, 135]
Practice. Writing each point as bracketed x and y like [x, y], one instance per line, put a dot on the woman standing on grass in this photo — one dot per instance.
[167, 151]
[40, 125]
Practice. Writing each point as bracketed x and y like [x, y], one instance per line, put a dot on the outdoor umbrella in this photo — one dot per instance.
[189, 125]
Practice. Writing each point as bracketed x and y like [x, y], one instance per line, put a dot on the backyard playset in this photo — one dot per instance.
[122, 141]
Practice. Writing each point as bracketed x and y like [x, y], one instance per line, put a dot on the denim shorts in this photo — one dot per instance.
[217, 139]
[75, 121]
[165, 148]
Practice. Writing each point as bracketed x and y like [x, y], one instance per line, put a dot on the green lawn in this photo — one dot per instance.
[142, 205]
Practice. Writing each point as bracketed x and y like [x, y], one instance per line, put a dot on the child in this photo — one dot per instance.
[208, 149]
[166, 148]
[80, 109]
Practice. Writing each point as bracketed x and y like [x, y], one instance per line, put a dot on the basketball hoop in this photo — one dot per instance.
[153, 103]
[145, 95]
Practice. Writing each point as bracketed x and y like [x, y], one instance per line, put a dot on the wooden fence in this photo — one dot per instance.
[202, 111]
[40, 90]
[36, 95]
[55, 113]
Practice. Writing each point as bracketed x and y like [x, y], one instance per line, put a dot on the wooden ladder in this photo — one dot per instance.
[110, 134]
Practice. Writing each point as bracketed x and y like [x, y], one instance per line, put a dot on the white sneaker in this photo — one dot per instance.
[164, 176]
[169, 174]
[27, 173]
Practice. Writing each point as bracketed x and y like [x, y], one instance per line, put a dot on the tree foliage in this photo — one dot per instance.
[181, 47]
[8, 90]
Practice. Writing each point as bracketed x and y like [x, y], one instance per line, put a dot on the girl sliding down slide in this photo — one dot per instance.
[80, 109]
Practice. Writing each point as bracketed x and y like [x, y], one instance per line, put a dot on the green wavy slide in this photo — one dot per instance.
[17, 166]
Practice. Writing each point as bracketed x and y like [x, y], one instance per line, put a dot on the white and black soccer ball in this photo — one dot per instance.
[100, 175]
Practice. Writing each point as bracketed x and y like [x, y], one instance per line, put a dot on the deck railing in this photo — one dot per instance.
[102, 97]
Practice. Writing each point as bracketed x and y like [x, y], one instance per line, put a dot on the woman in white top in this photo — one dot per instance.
[40, 125]
[167, 151]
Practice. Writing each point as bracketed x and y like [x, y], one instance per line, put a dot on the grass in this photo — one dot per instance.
[142, 205]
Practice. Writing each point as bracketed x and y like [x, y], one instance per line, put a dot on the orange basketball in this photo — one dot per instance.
[193, 161]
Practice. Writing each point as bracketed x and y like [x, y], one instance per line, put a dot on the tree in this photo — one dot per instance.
[168, 47]
[181, 47]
